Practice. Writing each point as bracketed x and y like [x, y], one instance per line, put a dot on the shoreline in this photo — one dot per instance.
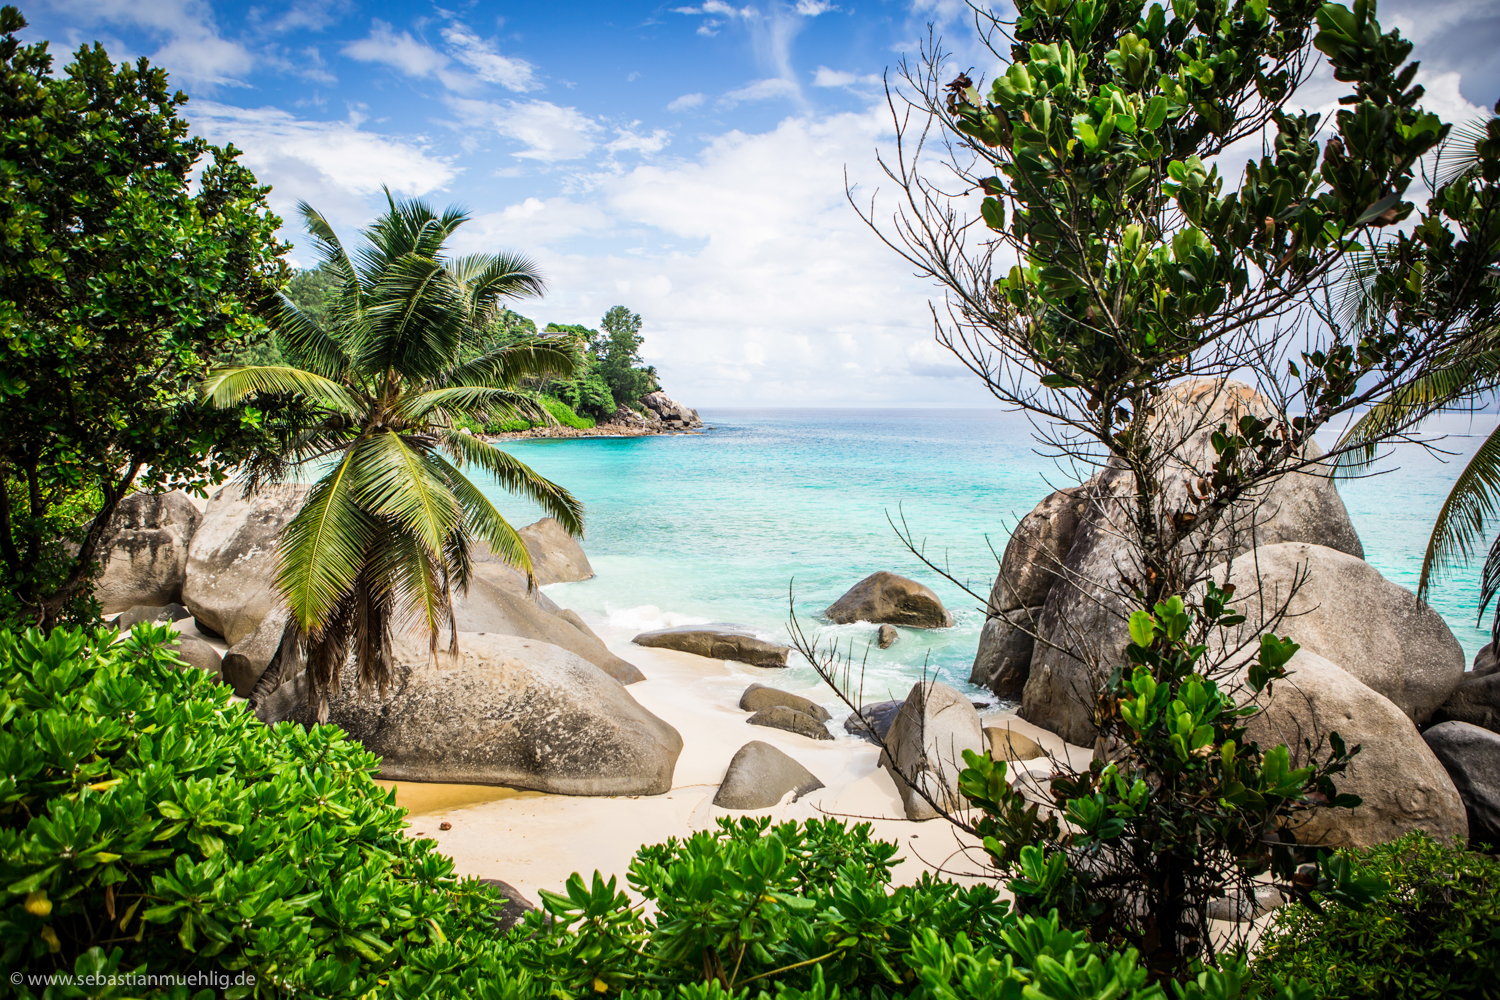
[598, 431]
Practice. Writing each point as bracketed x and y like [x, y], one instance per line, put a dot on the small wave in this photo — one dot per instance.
[648, 617]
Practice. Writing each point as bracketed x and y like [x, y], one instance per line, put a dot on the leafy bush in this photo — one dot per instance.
[560, 411]
[1436, 934]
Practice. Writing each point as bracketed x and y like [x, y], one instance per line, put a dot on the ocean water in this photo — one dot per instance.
[772, 512]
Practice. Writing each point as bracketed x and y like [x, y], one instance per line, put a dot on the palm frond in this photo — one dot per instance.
[488, 523]
[474, 401]
[397, 480]
[1489, 585]
[304, 341]
[416, 319]
[226, 387]
[532, 357]
[1459, 153]
[417, 601]
[515, 476]
[1460, 525]
[330, 249]
[487, 278]
[324, 548]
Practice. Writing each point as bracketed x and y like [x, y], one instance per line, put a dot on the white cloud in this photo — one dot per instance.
[812, 8]
[628, 141]
[530, 224]
[403, 52]
[825, 77]
[417, 59]
[761, 90]
[192, 49]
[550, 132]
[685, 102]
[488, 64]
[333, 166]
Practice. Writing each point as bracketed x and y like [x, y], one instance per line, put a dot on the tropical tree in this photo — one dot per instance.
[385, 537]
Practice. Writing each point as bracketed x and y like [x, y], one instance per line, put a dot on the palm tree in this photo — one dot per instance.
[377, 399]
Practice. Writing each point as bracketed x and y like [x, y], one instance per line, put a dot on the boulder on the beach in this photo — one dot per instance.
[1471, 756]
[576, 620]
[231, 571]
[790, 720]
[758, 696]
[513, 906]
[672, 414]
[506, 711]
[1083, 630]
[886, 636]
[924, 748]
[1342, 609]
[873, 721]
[760, 776]
[144, 555]
[497, 602]
[1037, 547]
[556, 556]
[1002, 662]
[1004, 744]
[886, 597]
[1399, 779]
[155, 614]
[196, 653]
[717, 641]
[248, 659]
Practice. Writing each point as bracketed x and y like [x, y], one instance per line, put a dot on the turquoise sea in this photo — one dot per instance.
[721, 526]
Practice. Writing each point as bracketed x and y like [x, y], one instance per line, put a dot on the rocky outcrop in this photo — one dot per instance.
[886, 597]
[497, 602]
[1003, 660]
[144, 558]
[1342, 609]
[1471, 756]
[1082, 632]
[758, 696]
[671, 413]
[1401, 782]
[1476, 699]
[717, 641]
[1037, 547]
[790, 720]
[924, 748]
[760, 776]
[231, 573]
[556, 556]
[873, 722]
[248, 659]
[886, 636]
[1007, 745]
[507, 711]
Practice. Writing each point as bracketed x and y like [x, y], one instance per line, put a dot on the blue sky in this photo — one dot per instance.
[686, 160]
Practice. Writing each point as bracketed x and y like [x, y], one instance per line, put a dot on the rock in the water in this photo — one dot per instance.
[1036, 550]
[886, 597]
[197, 653]
[925, 745]
[232, 562]
[247, 660]
[1403, 785]
[508, 711]
[760, 776]
[1007, 745]
[1471, 756]
[671, 413]
[874, 720]
[758, 696]
[1082, 630]
[790, 720]
[145, 553]
[1002, 662]
[556, 556]
[717, 641]
[513, 907]
[1347, 613]
[887, 636]
[498, 603]
[150, 613]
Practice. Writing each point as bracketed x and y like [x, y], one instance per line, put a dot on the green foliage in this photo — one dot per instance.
[559, 411]
[384, 395]
[1183, 810]
[133, 255]
[1437, 933]
[66, 521]
[619, 360]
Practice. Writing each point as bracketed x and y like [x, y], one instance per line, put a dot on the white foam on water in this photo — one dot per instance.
[648, 618]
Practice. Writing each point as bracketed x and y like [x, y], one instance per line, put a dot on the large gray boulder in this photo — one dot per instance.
[672, 414]
[717, 641]
[925, 745]
[128, 620]
[1002, 662]
[1082, 632]
[498, 602]
[144, 558]
[1471, 756]
[886, 597]
[1401, 782]
[1035, 552]
[231, 572]
[556, 556]
[1342, 609]
[196, 653]
[248, 659]
[507, 711]
[1476, 699]
[760, 776]
[758, 696]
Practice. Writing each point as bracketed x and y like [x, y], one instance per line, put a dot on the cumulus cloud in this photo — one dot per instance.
[685, 102]
[549, 132]
[191, 45]
[628, 141]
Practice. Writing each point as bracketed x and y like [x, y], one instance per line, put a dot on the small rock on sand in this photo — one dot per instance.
[760, 776]
[758, 696]
[790, 720]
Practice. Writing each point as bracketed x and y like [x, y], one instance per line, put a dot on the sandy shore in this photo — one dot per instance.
[532, 840]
